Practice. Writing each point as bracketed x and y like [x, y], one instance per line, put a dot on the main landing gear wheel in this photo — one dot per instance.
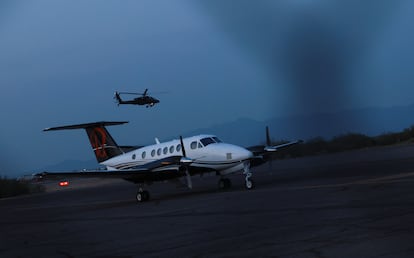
[142, 196]
[224, 183]
[249, 184]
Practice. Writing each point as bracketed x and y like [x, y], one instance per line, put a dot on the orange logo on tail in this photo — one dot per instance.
[98, 141]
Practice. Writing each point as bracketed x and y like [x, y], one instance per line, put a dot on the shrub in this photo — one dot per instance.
[13, 187]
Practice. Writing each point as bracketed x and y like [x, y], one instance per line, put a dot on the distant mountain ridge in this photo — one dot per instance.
[249, 132]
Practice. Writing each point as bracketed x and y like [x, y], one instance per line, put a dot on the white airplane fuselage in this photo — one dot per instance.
[204, 151]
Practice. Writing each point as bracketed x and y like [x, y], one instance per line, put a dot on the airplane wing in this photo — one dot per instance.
[263, 149]
[159, 170]
[261, 152]
[281, 146]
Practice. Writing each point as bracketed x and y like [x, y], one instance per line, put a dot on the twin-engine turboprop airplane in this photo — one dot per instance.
[166, 161]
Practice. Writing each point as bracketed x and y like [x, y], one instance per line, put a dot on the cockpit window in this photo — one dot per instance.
[216, 139]
[207, 141]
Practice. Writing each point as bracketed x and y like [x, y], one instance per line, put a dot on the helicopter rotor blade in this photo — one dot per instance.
[142, 94]
[130, 93]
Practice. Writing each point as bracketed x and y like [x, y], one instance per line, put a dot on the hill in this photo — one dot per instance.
[368, 121]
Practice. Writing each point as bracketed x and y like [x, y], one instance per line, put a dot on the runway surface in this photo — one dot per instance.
[353, 204]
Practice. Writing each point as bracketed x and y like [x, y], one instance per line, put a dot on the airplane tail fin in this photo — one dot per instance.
[103, 145]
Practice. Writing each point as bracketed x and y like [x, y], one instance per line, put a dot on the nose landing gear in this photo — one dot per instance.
[249, 183]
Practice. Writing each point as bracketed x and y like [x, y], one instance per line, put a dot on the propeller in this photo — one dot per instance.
[117, 98]
[186, 161]
[268, 144]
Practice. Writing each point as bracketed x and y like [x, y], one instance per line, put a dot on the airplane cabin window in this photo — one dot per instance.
[165, 151]
[159, 152]
[152, 153]
[178, 148]
[134, 156]
[171, 149]
[193, 145]
[143, 155]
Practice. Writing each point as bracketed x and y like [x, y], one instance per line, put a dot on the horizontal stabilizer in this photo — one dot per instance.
[85, 126]
[103, 145]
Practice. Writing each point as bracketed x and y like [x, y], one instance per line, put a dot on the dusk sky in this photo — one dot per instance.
[211, 62]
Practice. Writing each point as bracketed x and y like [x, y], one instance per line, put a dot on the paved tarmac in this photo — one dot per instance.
[353, 204]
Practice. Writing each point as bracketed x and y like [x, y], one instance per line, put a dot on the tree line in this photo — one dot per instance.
[345, 142]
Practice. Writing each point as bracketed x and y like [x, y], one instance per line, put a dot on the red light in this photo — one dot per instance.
[64, 183]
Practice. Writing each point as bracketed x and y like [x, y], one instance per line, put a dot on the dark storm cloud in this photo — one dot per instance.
[309, 46]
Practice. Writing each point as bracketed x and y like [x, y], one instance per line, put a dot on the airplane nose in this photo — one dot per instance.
[243, 153]
[231, 152]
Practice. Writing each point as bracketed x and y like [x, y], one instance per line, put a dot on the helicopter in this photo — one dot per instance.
[144, 99]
